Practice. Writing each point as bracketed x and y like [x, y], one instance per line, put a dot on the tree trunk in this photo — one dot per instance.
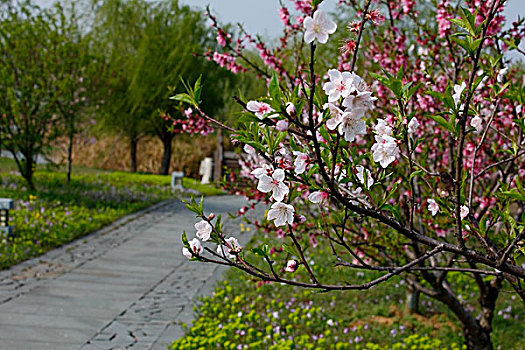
[28, 172]
[133, 154]
[70, 156]
[412, 301]
[476, 331]
[166, 155]
[476, 336]
[477, 339]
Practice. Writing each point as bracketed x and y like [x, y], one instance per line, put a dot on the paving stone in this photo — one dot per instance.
[125, 287]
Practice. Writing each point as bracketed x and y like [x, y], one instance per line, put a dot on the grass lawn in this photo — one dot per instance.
[243, 313]
[57, 213]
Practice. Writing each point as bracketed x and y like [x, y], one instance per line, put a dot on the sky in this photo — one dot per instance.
[262, 16]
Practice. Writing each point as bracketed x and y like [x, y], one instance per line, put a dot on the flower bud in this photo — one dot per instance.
[282, 125]
[290, 109]
[211, 216]
[291, 266]
[249, 149]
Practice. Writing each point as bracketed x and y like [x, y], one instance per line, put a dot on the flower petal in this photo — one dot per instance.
[309, 36]
[278, 174]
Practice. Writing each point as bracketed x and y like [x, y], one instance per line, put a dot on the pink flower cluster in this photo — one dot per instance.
[189, 123]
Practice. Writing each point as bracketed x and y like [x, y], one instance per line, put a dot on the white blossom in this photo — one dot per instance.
[352, 124]
[336, 113]
[264, 170]
[385, 150]
[360, 99]
[382, 128]
[281, 213]
[260, 109]
[195, 247]
[477, 123]
[203, 230]
[318, 27]
[227, 250]
[501, 74]
[282, 125]
[433, 207]
[318, 197]
[413, 125]
[340, 85]
[458, 90]
[360, 174]
[463, 211]
[274, 184]
[290, 109]
[301, 161]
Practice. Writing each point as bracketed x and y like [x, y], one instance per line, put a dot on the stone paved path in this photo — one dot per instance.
[124, 287]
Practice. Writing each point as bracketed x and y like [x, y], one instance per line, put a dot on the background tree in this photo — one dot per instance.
[118, 29]
[148, 47]
[28, 55]
[172, 37]
[77, 76]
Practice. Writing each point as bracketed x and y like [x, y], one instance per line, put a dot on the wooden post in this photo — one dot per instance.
[218, 158]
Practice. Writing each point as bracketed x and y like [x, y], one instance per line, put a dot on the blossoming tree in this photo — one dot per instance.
[404, 157]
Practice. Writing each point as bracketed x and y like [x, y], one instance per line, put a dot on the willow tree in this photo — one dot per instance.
[118, 29]
[150, 46]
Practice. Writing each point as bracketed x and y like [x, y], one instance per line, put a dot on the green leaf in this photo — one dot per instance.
[397, 88]
[247, 118]
[185, 239]
[519, 185]
[274, 89]
[513, 194]
[183, 98]
[218, 223]
[400, 74]
[380, 78]
[280, 137]
[261, 251]
[197, 90]
[291, 250]
[463, 24]
[483, 224]
[192, 205]
[474, 44]
[443, 122]
[324, 134]
[414, 174]
[389, 195]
